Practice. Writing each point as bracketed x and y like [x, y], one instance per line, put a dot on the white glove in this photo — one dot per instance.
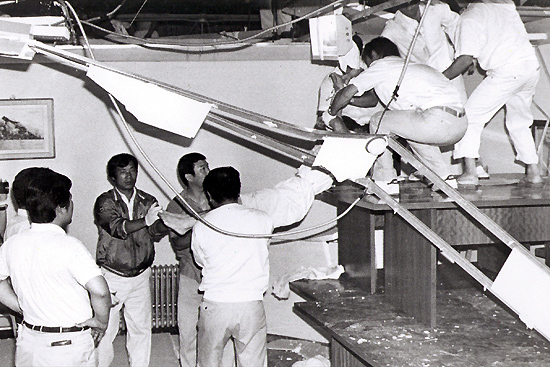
[319, 181]
[152, 214]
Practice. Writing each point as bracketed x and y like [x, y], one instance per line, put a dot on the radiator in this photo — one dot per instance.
[164, 296]
[164, 299]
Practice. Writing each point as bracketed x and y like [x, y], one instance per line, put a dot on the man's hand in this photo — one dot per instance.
[180, 223]
[98, 329]
[152, 214]
[338, 81]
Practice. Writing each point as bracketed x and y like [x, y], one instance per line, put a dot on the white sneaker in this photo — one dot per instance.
[390, 187]
[451, 181]
[481, 172]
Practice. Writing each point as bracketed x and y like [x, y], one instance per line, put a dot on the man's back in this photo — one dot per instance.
[49, 270]
[494, 34]
[234, 269]
[422, 87]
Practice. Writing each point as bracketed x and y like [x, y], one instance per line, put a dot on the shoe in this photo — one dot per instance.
[524, 182]
[467, 181]
[451, 181]
[415, 176]
[390, 187]
[482, 172]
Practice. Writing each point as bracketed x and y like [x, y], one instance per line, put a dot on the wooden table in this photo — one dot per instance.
[365, 330]
[410, 259]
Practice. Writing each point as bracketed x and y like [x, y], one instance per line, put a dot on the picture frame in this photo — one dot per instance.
[26, 128]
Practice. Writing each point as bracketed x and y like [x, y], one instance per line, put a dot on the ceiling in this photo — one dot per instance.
[176, 18]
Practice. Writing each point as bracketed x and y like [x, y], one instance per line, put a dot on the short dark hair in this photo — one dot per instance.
[21, 181]
[358, 41]
[120, 160]
[222, 183]
[186, 165]
[382, 46]
[45, 192]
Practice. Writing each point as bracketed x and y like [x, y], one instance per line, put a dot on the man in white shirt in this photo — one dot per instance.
[241, 289]
[56, 283]
[427, 111]
[493, 34]
[349, 66]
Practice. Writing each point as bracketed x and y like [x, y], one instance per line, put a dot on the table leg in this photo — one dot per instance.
[356, 250]
[410, 262]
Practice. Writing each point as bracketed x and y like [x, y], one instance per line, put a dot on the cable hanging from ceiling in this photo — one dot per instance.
[196, 215]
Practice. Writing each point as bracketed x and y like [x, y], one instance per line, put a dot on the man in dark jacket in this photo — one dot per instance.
[128, 225]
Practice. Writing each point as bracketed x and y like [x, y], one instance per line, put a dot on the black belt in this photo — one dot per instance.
[55, 329]
[452, 111]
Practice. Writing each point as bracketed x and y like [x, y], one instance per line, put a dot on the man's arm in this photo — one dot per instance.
[109, 217]
[367, 100]
[290, 200]
[342, 98]
[459, 66]
[8, 296]
[100, 299]
[180, 223]
[148, 220]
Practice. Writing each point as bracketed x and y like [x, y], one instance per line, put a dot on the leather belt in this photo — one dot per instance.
[452, 111]
[55, 329]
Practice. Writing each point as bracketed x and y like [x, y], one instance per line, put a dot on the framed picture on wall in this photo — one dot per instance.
[26, 128]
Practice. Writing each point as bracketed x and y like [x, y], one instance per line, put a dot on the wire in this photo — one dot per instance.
[194, 213]
[405, 65]
[139, 11]
[204, 46]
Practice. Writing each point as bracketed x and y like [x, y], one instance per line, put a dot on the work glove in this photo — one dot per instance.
[152, 214]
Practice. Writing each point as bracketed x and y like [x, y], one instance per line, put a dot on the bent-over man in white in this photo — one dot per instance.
[428, 111]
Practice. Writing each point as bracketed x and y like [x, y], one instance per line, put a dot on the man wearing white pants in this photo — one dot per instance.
[492, 33]
[128, 226]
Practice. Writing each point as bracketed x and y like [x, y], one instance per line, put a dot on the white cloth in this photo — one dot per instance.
[400, 30]
[495, 35]
[281, 286]
[432, 47]
[233, 269]
[422, 87]
[351, 59]
[152, 104]
[134, 293]
[49, 270]
[289, 200]
[19, 223]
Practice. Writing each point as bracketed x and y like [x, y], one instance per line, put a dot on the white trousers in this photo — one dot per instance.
[189, 300]
[134, 294]
[243, 322]
[425, 131]
[513, 89]
[35, 349]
